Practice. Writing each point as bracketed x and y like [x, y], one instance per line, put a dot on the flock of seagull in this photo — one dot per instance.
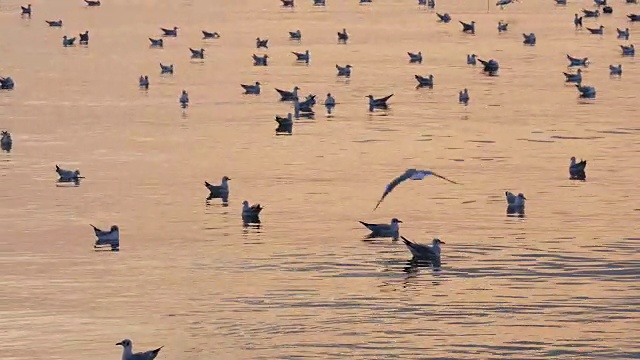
[250, 213]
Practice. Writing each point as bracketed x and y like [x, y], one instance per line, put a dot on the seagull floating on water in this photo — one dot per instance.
[210, 35]
[251, 214]
[54, 23]
[6, 143]
[577, 21]
[109, 238]
[156, 42]
[68, 175]
[596, 31]
[170, 32]
[415, 58]
[586, 92]
[574, 78]
[634, 17]
[502, 26]
[424, 81]
[445, 18]
[166, 69]
[302, 57]
[260, 60]
[628, 50]
[503, 3]
[469, 28]
[26, 10]
[576, 170]
[561, 2]
[529, 39]
[329, 103]
[84, 38]
[365, 2]
[615, 70]
[287, 3]
[491, 67]
[343, 37]
[590, 13]
[471, 59]
[424, 252]
[66, 41]
[262, 43]
[305, 108]
[184, 99]
[143, 82]
[219, 191]
[285, 124]
[127, 352]
[623, 34]
[344, 70]
[463, 97]
[380, 103]
[384, 230]
[7, 83]
[319, 2]
[252, 89]
[288, 95]
[515, 204]
[92, 2]
[577, 61]
[295, 35]
[409, 174]
[607, 10]
[197, 54]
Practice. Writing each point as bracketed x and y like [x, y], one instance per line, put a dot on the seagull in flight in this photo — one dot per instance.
[410, 174]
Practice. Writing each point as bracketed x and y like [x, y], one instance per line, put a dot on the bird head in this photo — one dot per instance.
[521, 195]
[126, 343]
[395, 221]
[437, 241]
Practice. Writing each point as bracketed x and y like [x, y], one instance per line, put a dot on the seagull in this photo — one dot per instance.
[380, 103]
[502, 26]
[127, 352]
[54, 23]
[184, 99]
[250, 214]
[634, 17]
[628, 50]
[288, 95]
[515, 204]
[210, 35]
[591, 13]
[343, 36]
[219, 191]
[252, 89]
[197, 54]
[285, 125]
[490, 67]
[6, 143]
[92, 2]
[287, 3]
[503, 3]
[156, 42]
[561, 2]
[329, 103]
[409, 174]
[260, 60]
[424, 252]
[170, 32]
[431, 4]
[143, 82]
[615, 70]
[344, 71]
[415, 58]
[574, 78]
[303, 57]
[68, 175]
[319, 2]
[7, 83]
[586, 92]
[305, 108]
[67, 41]
[110, 238]
[623, 34]
[596, 31]
[84, 38]
[424, 81]
[166, 69]
[577, 61]
[295, 35]
[471, 59]
[445, 18]
[529, 39]
[469, 28]
[576, 169]
[262, 43]
[384, 230]
[463, 97]
[577, 21]
[26, 10]
[365, 2]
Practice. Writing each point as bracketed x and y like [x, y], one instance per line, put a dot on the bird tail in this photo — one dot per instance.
[406, 241]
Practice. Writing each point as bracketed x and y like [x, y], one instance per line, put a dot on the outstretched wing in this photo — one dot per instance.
[442, 177]
[395, 182]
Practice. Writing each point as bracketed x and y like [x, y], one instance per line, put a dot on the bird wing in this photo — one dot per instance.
[395, 182]
[510, 197]
[442, 177]
[418, 249]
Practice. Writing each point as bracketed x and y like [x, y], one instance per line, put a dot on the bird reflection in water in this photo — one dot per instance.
[62, 182]
[414, 264]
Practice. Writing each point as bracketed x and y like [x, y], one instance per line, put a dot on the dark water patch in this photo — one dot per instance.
[538, 141]
[482, 141]
[457, 160]
[368, 141]
[614, 132]
[576, 137]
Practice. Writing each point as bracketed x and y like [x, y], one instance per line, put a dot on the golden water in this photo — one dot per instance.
[560, 283]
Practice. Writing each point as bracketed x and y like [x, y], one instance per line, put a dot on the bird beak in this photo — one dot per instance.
[399, 221]
[524, 198]
[442, 242]
[120, 343]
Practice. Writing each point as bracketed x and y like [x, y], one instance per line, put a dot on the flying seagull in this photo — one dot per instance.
[411, 174]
